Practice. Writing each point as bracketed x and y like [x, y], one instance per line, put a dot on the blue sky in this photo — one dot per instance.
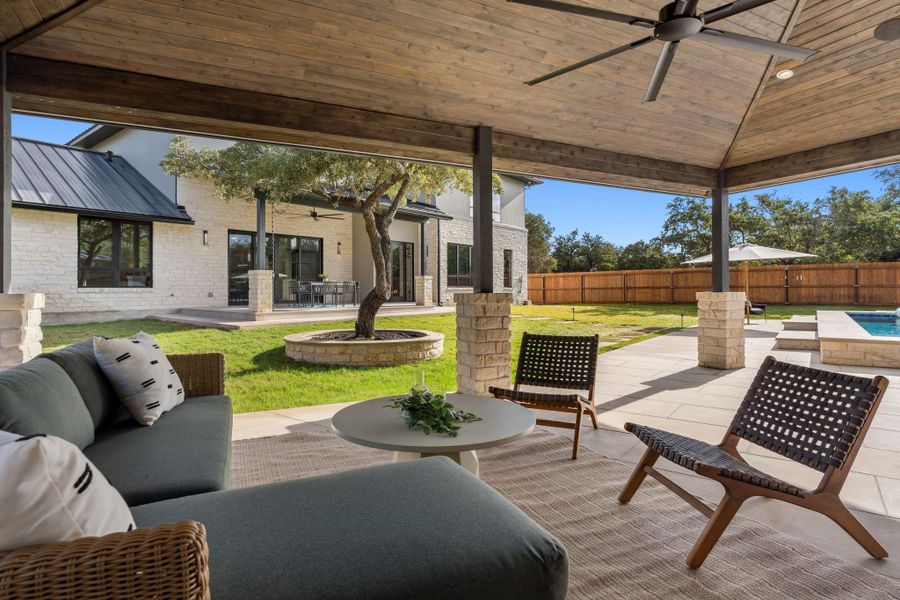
[621, 216]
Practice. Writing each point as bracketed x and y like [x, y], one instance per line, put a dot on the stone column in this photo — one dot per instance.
[261, 291]
[424, 295]
[20, 328]
[482, 341]
[720, 339]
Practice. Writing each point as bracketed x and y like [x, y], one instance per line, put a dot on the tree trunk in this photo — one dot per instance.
[380, 241]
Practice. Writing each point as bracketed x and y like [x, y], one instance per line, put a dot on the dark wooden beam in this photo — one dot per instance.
[483, 212]
[63, 16]
[871, 151]
[721, 235]
[105, 95]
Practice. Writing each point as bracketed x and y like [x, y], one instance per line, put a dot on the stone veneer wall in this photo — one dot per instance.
[301, 348]
[459, 230]
[720, 335]
[185, 272]
[482, 342]
[424, 290]
[860, 353]
[20, 328]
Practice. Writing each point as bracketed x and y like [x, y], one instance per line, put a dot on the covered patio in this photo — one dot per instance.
[443, 82]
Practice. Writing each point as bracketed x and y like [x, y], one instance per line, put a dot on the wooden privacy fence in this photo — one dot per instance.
[858, 283]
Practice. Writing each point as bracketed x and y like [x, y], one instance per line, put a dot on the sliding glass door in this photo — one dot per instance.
[292, 258]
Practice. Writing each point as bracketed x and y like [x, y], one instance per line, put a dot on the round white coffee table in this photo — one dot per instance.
[370, 424]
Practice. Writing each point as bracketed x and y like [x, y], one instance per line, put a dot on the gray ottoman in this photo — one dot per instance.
[425, 529]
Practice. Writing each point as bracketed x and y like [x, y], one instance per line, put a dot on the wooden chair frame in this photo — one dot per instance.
[824, 499]
[566, 403]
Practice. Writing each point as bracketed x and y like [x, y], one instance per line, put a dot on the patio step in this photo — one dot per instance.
[797, 340]
[800, 323]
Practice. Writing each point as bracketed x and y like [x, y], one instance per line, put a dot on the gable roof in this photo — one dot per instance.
[62, 178]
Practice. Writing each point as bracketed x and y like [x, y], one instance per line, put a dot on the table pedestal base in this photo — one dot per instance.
[466, 459]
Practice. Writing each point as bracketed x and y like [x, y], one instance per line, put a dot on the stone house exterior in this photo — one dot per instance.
[196, 251]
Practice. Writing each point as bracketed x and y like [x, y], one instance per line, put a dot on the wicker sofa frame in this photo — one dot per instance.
[165, 561]
[561, 362]
[817, 418]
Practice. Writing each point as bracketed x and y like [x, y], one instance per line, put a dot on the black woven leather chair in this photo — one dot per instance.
[556, 361]
[817, 418]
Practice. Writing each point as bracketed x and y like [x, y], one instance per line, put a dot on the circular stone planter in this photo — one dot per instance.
[303, 347]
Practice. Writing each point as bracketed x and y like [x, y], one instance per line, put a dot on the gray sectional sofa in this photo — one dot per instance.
[425, 529]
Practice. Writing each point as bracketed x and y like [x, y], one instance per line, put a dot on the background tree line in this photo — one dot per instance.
[844, 226]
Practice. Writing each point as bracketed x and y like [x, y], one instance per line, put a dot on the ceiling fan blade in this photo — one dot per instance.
[659, 74]
[731, 9]
[753, 44]
[591, 60]
[587, 11]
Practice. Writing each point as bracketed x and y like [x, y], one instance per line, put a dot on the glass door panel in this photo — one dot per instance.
[240, 259]
[402, 271]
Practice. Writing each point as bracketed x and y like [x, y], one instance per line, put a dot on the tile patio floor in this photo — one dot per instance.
[658, 383]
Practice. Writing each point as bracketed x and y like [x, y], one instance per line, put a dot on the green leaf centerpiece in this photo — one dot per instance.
[431, 412]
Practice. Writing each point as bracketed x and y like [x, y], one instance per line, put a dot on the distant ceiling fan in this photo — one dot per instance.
[677, 21]
[316, 215]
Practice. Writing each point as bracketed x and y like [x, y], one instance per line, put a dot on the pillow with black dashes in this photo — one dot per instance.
[141, 374]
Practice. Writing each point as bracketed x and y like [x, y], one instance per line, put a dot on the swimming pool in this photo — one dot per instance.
[885, 324]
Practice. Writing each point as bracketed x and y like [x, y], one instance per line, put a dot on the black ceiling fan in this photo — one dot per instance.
[316, 215]
[677, 21]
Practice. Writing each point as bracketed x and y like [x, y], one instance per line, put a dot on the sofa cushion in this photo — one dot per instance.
[52, 493]
[96, 391]
[424, 529]
[39, 397]
[187, 451]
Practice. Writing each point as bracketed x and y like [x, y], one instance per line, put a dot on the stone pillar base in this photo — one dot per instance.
[20, 328]
[262, 291]
[720, 336]
[482, 342]
[424, 294]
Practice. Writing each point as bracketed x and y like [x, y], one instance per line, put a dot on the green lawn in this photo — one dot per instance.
[259, 377]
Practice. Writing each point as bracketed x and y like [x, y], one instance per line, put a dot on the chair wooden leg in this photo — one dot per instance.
[843, 517]
[638, 476]
[717, 524]
[577, 434]
[593, 412]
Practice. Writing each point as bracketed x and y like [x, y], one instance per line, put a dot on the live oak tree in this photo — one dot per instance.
[375, 187]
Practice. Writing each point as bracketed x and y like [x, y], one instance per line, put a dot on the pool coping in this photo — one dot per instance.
[838, 326]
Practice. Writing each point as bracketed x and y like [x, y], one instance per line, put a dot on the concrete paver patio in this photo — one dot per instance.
[657, 382]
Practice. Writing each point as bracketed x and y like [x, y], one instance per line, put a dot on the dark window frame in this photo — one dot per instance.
[117, 270]
[507, 267]
[454, 278]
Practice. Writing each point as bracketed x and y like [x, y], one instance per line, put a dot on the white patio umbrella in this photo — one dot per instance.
[746, 253]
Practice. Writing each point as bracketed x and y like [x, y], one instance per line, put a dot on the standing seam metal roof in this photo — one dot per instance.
[63, 178]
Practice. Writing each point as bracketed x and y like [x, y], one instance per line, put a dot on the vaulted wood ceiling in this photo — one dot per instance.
[462, 63]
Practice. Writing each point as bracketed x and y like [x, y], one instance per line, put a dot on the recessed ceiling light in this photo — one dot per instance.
[888, 31]
[784, 74]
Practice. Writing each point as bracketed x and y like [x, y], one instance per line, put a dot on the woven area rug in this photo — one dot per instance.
[615, 551]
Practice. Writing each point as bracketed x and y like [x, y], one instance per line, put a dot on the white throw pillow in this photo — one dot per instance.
[141, 374]
[52, 493]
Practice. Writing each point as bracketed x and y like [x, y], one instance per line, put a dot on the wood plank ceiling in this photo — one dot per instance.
[18, 16]
[850, 89]
[463, 63]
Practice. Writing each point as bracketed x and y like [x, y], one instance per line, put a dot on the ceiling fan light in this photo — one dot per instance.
[888, 31]
[784, 74]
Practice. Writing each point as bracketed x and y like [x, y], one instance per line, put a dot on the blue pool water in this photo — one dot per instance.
[878, 324]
